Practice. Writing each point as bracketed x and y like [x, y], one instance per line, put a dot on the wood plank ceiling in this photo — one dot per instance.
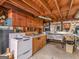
[56, 9]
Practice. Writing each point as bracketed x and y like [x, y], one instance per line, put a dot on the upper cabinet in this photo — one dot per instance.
[38, 23]
[15, 19]
[20, 19]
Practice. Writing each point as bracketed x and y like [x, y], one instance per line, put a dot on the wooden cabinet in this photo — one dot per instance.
[23, 20]
[38, 43]
[18, 19]
[44, 40]
[35, 45]
[15, 20]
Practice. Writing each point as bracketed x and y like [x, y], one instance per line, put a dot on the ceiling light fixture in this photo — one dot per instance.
[77, 15]
[45, 17]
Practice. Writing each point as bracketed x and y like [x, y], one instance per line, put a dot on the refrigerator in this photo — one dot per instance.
[4, 40]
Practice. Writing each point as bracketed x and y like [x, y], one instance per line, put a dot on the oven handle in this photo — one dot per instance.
[26, 39]
[23, 53]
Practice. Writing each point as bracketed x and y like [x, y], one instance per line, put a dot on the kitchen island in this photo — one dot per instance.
[38, 42]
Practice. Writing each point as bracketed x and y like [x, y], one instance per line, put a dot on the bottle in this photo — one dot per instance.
[9, 54]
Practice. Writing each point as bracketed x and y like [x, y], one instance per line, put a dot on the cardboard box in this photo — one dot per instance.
[69, 48]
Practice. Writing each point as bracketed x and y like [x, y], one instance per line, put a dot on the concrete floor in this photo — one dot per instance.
[54, 51]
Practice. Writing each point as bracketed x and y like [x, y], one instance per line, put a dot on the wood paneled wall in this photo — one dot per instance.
[20, 19]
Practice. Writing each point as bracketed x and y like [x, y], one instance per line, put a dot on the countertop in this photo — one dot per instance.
[20, 36]
[37, 35]
[64, 34]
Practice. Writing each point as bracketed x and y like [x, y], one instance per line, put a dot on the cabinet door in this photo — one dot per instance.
[35, 45]
[40, 43]
[22, 21]
[16, 19]
[44, 40]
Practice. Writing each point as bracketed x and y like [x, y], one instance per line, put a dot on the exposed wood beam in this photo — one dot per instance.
[65, 10]
[74, 12]
[70, 8]
[2, 1]
[56, 3]
[10, 6]
[21, 5]
[33, 5]
[47, 8]
[44, 4]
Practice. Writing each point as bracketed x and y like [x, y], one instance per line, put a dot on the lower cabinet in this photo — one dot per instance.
[38, 43]
[44, 40]
[35, 45]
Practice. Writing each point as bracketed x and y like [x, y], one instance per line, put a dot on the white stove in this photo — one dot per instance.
[20, 45]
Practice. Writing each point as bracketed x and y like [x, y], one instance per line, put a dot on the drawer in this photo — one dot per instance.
[25, 55]
[24, 46]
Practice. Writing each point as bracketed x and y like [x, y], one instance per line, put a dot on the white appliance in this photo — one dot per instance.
[20, 45]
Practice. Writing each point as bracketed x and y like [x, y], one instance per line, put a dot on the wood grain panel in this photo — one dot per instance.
[50, 8]
[38, 43]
